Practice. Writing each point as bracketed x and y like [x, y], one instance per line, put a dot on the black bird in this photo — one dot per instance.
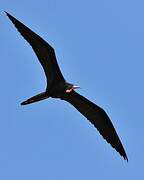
[58, 87]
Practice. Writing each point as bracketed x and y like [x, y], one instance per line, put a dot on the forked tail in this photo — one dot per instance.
[36, 98]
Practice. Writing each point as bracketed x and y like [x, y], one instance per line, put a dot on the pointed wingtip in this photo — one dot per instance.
[6, 13]
[125, 158]
[124, 155]
[24, 103]
[9, 16]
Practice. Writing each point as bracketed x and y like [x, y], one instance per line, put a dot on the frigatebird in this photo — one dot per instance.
[58, 87]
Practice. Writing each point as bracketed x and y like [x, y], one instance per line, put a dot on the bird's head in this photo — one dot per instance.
[71, 87]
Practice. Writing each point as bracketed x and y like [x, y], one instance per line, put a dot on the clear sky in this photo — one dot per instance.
[99, 46]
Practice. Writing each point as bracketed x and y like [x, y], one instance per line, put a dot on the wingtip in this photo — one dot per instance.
[125, 158]
[124, 155]
[9, 16]
[23, 103]
[6, 13]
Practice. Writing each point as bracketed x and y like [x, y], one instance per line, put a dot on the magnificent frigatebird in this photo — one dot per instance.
[58, 87]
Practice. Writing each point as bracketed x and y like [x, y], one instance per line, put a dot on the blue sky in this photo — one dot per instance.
[99, 46]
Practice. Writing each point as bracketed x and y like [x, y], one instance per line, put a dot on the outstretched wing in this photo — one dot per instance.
[98, 117]
[43, 50]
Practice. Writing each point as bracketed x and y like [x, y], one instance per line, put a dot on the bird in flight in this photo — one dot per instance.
[58, 87]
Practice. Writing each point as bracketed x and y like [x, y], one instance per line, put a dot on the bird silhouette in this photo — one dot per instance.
[58, 87]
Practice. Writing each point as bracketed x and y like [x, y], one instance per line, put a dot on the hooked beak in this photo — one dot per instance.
[70, 90]
[76, 87]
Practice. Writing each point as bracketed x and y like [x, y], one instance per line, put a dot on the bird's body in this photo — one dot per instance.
[56, 91]
[58, 87]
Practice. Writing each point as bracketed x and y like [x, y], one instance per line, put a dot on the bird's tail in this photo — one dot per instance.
[36, 98]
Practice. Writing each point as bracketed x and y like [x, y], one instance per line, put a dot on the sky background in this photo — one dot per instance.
[100, 47]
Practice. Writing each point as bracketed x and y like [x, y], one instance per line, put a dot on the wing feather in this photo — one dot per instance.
[42, 49]
[98, 117]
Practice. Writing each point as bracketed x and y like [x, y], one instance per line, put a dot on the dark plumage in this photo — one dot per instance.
[57, 87]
